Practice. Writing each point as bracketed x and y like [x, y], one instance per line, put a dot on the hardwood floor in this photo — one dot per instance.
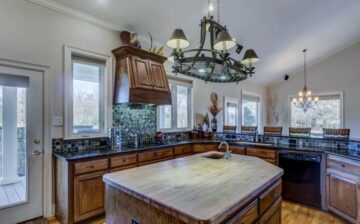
[291, 214]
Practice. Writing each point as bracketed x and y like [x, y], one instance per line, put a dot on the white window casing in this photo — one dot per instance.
[73, 54]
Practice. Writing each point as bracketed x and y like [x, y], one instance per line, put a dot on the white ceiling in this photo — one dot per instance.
[278, 30]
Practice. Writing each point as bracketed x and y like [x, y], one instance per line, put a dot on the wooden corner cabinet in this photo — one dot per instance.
[140, 77]
[343, 187]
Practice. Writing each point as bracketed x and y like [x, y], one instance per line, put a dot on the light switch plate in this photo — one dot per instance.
[58, 121]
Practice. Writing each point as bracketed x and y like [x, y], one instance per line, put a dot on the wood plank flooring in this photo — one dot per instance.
[291, 214]
[12, 194]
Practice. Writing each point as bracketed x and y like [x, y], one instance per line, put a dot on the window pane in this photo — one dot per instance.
[86, 97]
[231, 114]
[326, 114]
[250, 112]
[165, 116]
[182, 106]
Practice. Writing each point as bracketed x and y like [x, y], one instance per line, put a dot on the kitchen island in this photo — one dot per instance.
[196, 189]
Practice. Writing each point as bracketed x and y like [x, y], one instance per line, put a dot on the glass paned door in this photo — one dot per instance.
[21, 144]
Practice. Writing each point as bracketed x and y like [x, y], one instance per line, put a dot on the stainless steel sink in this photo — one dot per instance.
[254, 143]
[214, 156]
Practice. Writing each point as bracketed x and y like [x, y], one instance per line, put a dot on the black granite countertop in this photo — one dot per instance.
[106, 151]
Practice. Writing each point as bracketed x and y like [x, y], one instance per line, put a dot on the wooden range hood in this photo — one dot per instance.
[140, 77]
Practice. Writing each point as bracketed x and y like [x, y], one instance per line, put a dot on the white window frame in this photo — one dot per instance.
[174, 82]
[341, 96]
[105, 93]
[236, 101]
[258, 114]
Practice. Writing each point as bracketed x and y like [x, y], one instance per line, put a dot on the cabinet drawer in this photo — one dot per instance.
[122, 168]
[199, 148]
[343, 164]
[123, 160]
[91, 166]
[234, 149]
[263, 153]
[269, 197]
[247, 216]
[155, 155]
[182, 150]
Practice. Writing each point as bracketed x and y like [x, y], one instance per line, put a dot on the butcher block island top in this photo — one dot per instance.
[192, 189]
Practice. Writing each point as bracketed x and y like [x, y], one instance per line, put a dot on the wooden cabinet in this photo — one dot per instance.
[183, 150]
[247, 216]
[123, 162]
[269, 155]
[154, 156]
[273, 214]
[141, 73]
[90, 166]
[200, 148]
[343, 188]
[88, 195]
[140, 77]
[240, 150]
[159, 81]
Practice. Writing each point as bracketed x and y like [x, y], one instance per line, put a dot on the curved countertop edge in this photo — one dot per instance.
[108, 151]
[223, 215]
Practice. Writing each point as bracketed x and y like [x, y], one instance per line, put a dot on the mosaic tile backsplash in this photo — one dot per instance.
[134, 119]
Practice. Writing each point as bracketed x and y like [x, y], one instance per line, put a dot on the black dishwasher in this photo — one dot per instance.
[301, 180]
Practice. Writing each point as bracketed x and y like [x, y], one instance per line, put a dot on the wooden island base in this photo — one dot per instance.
[122, 208]
[180, 191]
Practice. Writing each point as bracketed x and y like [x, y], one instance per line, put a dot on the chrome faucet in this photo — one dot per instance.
[227, 154]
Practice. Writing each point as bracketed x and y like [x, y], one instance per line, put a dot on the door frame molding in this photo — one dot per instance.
[48, 210]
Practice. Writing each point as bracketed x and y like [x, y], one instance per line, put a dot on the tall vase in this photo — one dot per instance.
[214, 124]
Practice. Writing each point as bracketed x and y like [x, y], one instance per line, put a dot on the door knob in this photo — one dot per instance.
[37, 141]
[36, 153]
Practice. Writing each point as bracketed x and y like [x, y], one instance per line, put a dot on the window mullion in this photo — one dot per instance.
[174, 107]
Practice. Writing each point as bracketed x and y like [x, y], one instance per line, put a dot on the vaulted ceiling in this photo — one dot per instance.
[278, 29]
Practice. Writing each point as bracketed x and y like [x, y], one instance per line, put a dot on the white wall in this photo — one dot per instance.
[339, 72]
[34, 34]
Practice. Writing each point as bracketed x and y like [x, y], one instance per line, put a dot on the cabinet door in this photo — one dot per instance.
[89, 190]
[158, 76]
[273, 214]
[342, 195]
[141, 73]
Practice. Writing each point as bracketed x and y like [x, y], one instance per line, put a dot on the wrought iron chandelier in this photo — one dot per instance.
[305, 100]
[211, 63]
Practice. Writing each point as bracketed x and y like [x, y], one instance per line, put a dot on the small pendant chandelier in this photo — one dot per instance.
[305, 100]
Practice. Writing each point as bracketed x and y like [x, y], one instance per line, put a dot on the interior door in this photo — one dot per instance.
[21, 154]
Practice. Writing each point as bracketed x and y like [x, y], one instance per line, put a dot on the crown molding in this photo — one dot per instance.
[63, 9]
[77, 14]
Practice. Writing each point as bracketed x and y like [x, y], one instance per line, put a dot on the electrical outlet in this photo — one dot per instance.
[58, 121]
